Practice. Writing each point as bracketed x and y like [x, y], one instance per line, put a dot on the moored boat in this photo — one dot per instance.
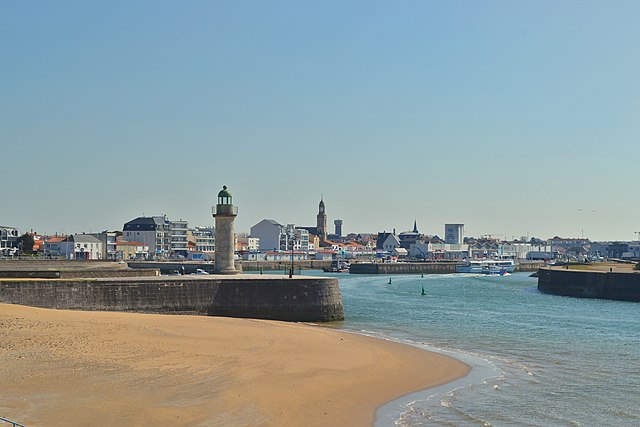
[337, 267]
[487, 266]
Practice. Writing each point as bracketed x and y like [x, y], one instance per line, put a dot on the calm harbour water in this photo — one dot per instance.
[538, 360]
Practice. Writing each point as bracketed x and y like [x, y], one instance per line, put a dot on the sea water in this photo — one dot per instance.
[538, 360]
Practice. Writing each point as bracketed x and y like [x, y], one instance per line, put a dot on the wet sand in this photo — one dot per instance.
[76, 368]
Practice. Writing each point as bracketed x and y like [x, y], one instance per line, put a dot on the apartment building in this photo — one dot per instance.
[178, 231]
[153, 231]
[8, 241]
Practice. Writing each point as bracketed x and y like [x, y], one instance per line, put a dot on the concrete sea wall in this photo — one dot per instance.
[529, 265]
[622, 286]
[425, 267]
[403, 268]
[277, 298]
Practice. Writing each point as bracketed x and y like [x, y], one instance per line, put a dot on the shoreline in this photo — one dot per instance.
[147, 369]
[480, 370]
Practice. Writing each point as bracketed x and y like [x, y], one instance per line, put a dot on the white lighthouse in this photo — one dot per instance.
[225, 213]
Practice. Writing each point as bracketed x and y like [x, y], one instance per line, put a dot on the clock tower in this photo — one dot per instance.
[322, 221]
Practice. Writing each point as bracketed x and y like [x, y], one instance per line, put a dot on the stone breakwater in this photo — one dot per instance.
[442, 267]
[404, 268]
[622, 286]
[308, 299]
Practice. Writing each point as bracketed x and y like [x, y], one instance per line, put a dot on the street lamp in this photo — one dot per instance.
[291, 270]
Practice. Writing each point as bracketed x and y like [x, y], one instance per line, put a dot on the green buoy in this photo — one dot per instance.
[422, 275]
[423, 292]
[389, 280]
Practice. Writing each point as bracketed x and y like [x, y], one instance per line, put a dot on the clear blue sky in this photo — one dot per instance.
[513, 117]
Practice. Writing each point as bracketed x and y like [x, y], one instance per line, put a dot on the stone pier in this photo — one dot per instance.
[301, 299]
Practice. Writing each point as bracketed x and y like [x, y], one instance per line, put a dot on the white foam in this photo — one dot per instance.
[482, 371]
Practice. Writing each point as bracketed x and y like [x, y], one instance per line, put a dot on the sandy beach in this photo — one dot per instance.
[77, 368]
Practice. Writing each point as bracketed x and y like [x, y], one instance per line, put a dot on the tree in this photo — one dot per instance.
[25, 243]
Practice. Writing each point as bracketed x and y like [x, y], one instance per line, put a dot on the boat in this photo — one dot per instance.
[337, 267]
[487, 266]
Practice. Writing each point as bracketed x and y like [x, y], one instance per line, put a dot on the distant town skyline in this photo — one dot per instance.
[514, 118]
[424, 228]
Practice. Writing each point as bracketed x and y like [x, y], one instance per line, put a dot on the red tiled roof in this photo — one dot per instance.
[56, 239]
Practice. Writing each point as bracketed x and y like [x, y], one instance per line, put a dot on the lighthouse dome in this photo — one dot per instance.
[224, 196]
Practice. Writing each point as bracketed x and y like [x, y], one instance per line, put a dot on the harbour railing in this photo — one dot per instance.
[13, 423]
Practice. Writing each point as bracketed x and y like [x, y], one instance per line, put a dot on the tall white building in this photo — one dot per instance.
[454, 234]
[178, 238]
[301, 239]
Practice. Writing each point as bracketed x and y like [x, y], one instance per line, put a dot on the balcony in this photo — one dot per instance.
[224, 210]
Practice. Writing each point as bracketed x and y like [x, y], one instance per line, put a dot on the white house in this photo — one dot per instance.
[81, 247]
[390, 243]
[53, 246]
[108, 239]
